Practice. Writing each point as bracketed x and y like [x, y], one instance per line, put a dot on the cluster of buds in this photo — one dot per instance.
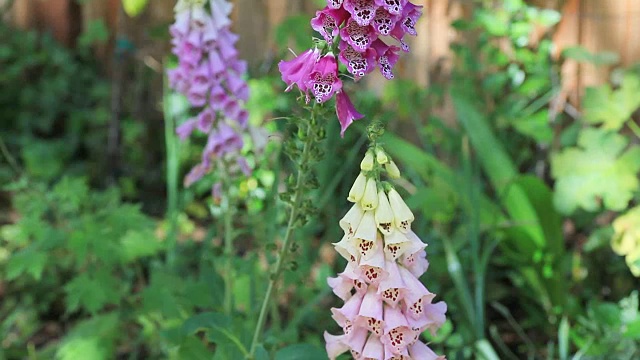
[386, 306]
[210, 75]
[359, 25]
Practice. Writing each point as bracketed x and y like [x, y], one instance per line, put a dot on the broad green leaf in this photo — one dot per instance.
[535, 126]
[27, 261]
[598, 170]
[138, 244]
[612, 108]
[301, 352]
[133, 8]
[193, 348]
[579, 53]
[92, 291]
[626, 227]
[91, 339]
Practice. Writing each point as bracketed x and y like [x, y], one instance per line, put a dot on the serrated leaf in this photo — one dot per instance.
[91, 339]
[133, 8]
[92, 291]
[301, 352]
[28, 261]
[138, 244]
[599, 169]
[612, 108]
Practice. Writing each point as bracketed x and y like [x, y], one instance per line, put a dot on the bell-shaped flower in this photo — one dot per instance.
[347, 247]
[383, 21]
[346, 281]
[431, 319]
[186, 128]
[350, 221]
[347, 314]
[394, 7]
[358, 63]
[367, 162]
[396, 244]
[335, 345]
[397, 331]
[370, 197]
[345, 111]
[359, 37]
[357, 189]
[328, 21]
[416, 263]
[387, 57]
[323, 80]
[392, 289]
[372, 268]
[384, 213]
[370, 315]
[392, 170]
[403, 217]
[356, 341]
[297, 70]
[417, 294]
[362, 11]
[381, 156]
[419, 350]
[373, 349]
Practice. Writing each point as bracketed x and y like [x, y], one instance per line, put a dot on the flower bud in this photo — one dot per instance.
[357, 190]
[384, 214]
[401, 212]
[370, 198]
[367, 163]
[381, 156]
[392, 170]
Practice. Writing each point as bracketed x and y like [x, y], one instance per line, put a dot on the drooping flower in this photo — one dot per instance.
[211, 76]
[346, 112]
[357, 24]
[386, 307]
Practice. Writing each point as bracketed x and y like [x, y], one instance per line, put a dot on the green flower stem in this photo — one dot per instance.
[173, 168]
[298, 196]
[228, 252]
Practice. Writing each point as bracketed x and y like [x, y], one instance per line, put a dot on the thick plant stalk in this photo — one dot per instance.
[298, 196]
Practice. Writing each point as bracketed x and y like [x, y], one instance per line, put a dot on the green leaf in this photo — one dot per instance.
[535, 126]
[218, 328]
[28, 261]
[499, 168]
[612, 108]
[596, 171]
[91, 339]
[92, 291]
[193, 348]
[133, 8]
[301, 352]
[138, 244]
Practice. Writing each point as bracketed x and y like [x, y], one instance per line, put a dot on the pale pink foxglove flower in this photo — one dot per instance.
[386, 306]
[211, 76]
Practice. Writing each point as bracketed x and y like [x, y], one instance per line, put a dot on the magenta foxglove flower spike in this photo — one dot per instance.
[352, 30]
[386, 307]
[211, 76]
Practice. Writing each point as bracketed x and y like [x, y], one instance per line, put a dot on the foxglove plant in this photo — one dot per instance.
[210, 75]
[386, 306]
[358, 26]
[351, 30]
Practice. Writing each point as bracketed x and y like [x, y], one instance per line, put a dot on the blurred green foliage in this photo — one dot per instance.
[526, 209]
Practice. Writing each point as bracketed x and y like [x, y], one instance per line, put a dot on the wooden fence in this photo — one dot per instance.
[597, 25]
